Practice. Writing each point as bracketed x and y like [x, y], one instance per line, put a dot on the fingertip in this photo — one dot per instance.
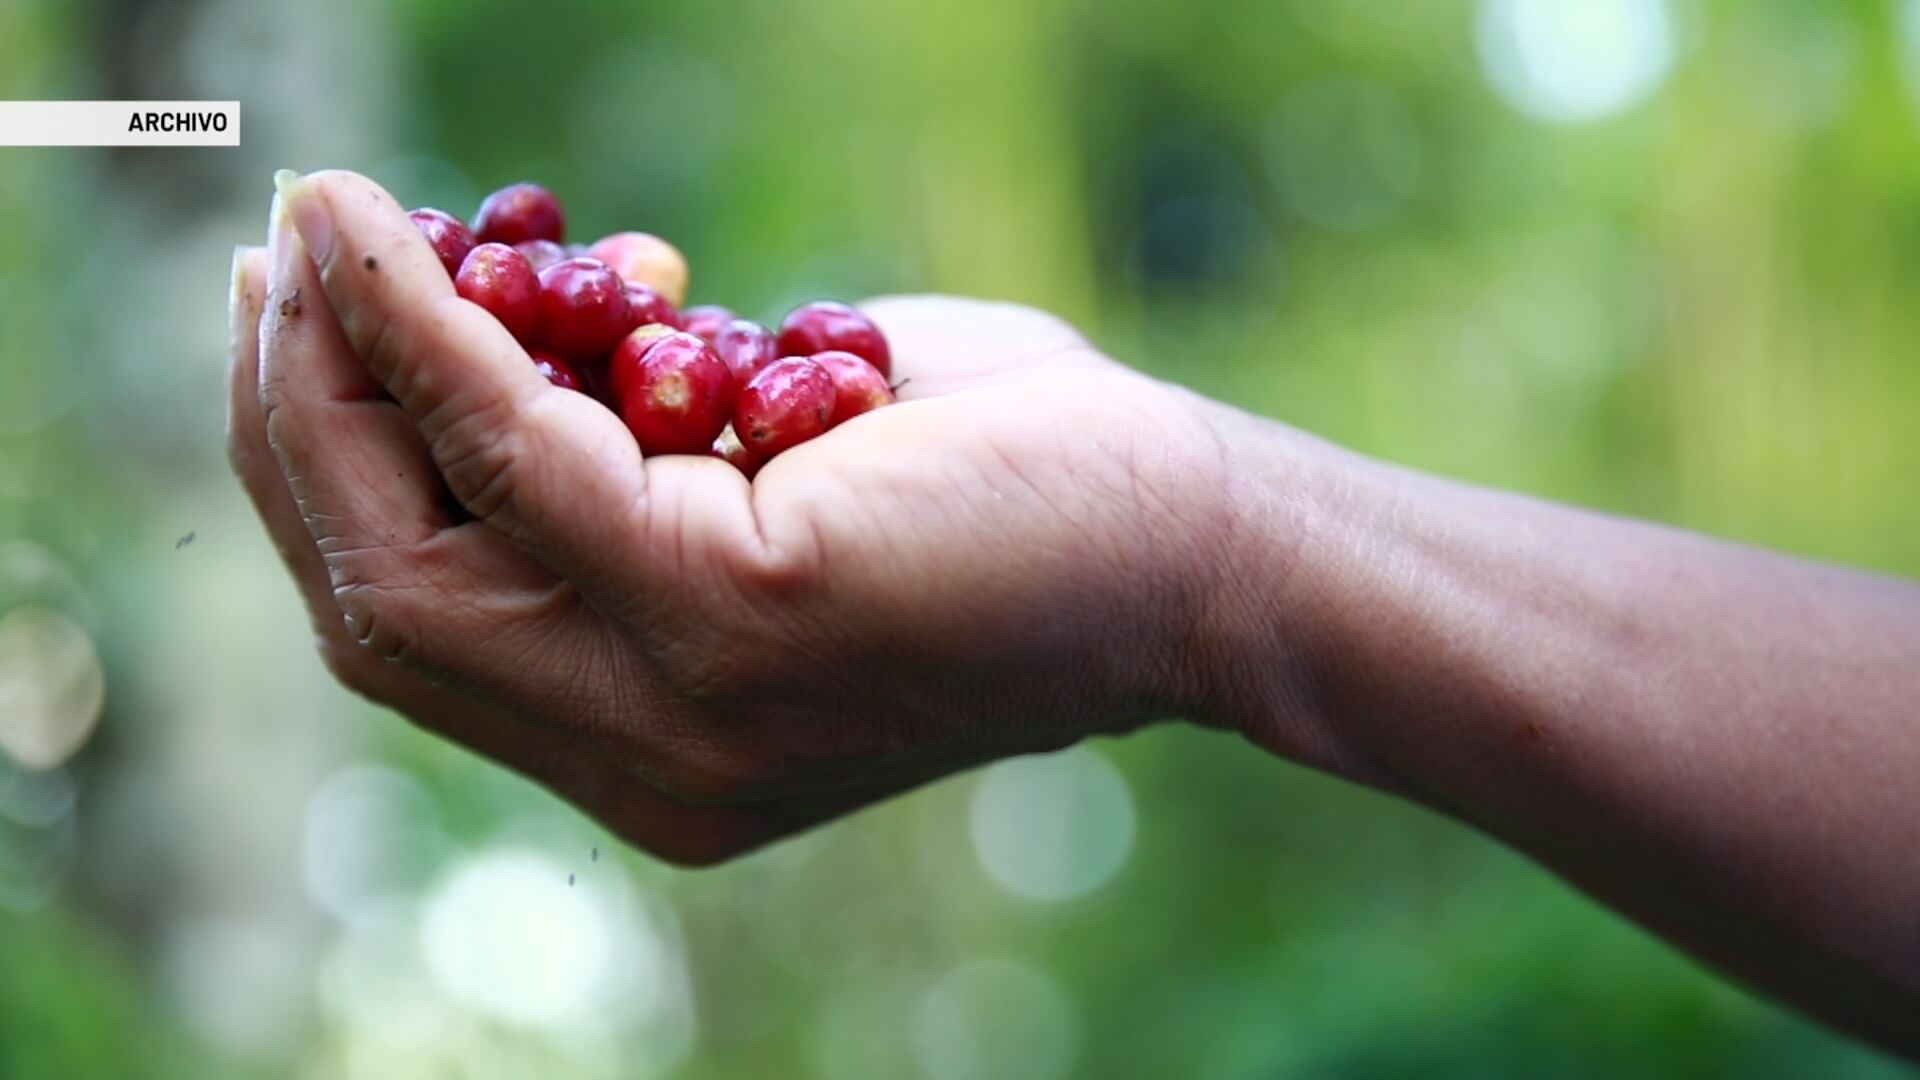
[246, 294]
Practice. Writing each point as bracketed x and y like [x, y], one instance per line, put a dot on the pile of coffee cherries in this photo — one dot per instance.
[605, 320]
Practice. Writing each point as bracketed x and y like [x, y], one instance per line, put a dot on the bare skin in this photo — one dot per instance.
[1039, 545]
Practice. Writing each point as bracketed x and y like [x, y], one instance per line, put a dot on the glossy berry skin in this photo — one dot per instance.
[541, 253]
[729, 449]
[673, 392]
[858, 387]
[645, 259]
[558, 372]
[633, 348]
[583, 309]
[603, 379]
[449, 236]
[787, 403]
[498, 278]
[648, 307]
[746, 346]
[706, 320]
[828, 326]
[519, 212]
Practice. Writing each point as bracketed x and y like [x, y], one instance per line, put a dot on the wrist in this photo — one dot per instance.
[1270, 639]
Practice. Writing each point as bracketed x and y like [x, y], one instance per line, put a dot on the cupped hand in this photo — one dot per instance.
[1014, 557]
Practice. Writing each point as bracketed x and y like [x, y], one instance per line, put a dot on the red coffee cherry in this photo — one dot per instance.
[787, 403]
[674, 393]
[583, 308]
[729, 449]
[858, 386]
[498, 278]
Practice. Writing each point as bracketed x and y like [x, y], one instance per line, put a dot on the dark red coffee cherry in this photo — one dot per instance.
[541, 253]
[558, 371]
[519, 212]
[746, 346]
[826, 326]
[449, 236]
[648, 307]
[706, 320]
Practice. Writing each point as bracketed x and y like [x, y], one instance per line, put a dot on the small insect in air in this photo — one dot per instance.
[596, 855]
[183, 541]
[569, 881]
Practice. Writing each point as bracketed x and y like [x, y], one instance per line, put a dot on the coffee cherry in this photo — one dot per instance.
[498, 278]
[674, 393]
[647, 333]
[858, 386]
[645, 259]
[606, 386]
[825, 326]
[649, 307]
[728, 448]
[706, 320]
[787, 403]
[583, 308]
[746, 346]
[541, 253]
[519, 212]
[449, 236]
[558, 371]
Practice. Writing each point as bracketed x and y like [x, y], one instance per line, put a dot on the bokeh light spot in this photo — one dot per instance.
[995, 1019]
[506, 936]
[370, 832]
[1572, 61]
[1052, 827]
[1910, 47]
[51, 686]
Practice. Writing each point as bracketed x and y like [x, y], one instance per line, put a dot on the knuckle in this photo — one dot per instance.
[376, 623]
[386, 341]
[350, 665]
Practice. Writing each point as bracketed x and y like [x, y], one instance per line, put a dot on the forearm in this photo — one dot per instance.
[1720, 742]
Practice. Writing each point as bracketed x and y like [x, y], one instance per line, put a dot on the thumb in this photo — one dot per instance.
[550, 468]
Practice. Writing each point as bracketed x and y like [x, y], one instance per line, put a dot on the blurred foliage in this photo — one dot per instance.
[1698, 308]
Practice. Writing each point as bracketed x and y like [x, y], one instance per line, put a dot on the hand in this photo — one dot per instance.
[1018, 555]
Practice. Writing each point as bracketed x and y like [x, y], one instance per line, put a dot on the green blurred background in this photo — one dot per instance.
[1654, 257]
